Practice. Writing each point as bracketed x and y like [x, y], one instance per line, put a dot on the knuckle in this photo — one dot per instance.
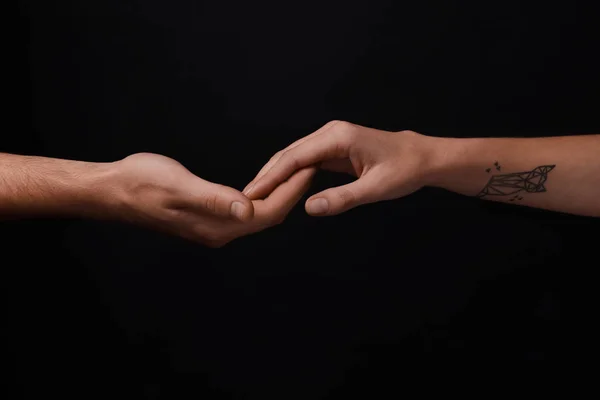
[138, 155]
[350, 131]
[332, 123]
[210, 202]
[342, 126]
[289, 158]
[345, 131]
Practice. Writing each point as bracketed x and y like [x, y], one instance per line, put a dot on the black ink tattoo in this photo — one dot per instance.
[488, 170]
[508, 184]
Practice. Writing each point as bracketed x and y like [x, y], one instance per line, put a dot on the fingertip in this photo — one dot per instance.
[317, 206]
[242, 209]
[334, 201]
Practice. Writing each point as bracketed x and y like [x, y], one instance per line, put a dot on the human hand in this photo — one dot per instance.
[388, 165]
[158, 192]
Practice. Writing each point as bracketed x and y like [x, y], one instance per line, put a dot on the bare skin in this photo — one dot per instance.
[553, 173]
[149, 190]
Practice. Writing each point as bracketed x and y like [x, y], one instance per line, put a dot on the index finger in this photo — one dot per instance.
[318, 148]
[298, 142]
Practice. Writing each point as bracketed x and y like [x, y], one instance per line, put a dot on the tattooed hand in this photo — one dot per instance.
[388, 165]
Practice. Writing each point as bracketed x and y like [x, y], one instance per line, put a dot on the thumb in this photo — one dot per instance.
[342, 198]
[224, 201]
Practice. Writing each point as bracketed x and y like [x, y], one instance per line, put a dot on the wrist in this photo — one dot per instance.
[99, 195]
[446, 158]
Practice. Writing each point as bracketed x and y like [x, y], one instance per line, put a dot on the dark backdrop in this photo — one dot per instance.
[314, 308]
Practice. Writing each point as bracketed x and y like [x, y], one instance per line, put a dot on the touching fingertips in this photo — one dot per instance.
[318, 206]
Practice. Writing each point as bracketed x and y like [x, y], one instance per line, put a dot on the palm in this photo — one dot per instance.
[161, 193]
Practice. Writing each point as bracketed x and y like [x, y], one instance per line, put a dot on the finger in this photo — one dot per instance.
[318, 148]
[260, 174]
[342, 198]
[280, 202]
[221, 201]
[278, 155]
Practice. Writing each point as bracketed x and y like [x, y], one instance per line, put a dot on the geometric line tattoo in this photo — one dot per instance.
[508, 184]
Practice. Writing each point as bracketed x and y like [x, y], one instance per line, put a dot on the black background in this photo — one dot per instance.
[313, 308]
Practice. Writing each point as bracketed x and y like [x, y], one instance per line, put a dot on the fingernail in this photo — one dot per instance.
[317, 206]
[238, 210]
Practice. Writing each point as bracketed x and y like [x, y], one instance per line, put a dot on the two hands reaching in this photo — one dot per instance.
[158, 192]
[553, 173]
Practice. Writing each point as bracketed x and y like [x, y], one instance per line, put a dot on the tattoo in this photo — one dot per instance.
[509, 184]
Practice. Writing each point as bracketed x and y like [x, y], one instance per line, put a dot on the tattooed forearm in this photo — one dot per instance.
[517, 182]
[559, 173]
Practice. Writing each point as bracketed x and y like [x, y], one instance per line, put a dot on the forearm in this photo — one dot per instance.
[554, 173]
[35, 186]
